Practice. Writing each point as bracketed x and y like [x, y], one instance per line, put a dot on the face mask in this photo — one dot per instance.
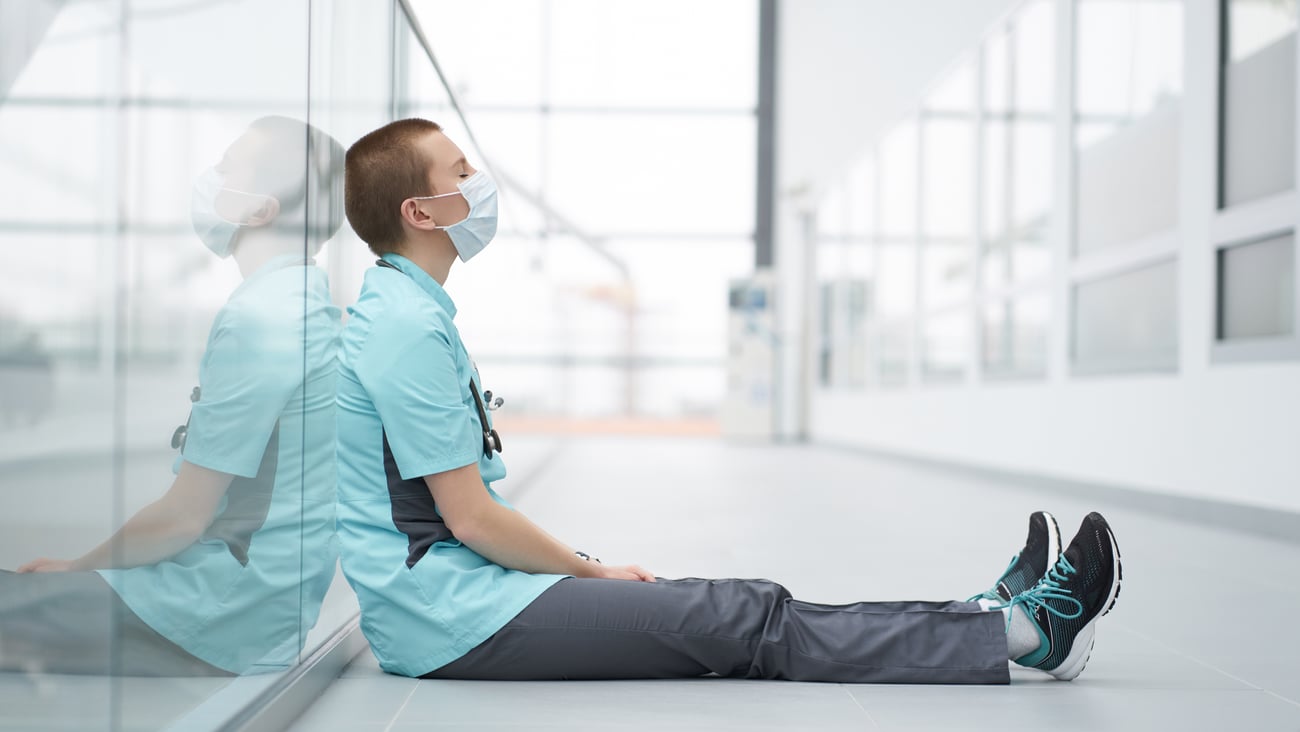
[478, 228]
[216, 232]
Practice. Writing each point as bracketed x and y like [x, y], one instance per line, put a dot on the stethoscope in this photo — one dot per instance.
[491, 440]
[183, 432]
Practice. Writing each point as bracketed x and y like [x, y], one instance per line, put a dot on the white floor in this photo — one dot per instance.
[1204, 636]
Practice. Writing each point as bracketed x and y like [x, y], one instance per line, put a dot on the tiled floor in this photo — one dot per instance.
[1204, 636]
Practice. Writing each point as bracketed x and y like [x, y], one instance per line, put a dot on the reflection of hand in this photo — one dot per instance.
[46, 565]
[626, 572]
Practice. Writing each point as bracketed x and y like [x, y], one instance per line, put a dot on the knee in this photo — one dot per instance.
[760, 593]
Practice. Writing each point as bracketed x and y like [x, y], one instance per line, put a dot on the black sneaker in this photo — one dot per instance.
[1067, 602]
[1042, 547]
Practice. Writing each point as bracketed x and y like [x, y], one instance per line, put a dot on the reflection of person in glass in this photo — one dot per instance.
[454, 583]
[225, 573]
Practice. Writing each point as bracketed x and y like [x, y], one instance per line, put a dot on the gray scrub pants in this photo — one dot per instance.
[74, 623]
[754, 629]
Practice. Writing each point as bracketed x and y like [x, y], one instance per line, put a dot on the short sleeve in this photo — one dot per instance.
[250, 371]
[408, 368]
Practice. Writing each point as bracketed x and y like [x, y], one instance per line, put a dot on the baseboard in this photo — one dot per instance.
[278, 707]
[271, 702]
[1254, 520]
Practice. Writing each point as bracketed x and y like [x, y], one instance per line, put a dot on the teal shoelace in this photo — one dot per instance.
[992, 593]
[1048, 588]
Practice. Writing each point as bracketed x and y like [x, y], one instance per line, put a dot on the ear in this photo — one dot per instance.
[415, 217]
[265, 213]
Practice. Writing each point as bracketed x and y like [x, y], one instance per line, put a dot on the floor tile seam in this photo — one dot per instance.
[398, 714]
[859, 704]
[1287, 699]
[1206, 664]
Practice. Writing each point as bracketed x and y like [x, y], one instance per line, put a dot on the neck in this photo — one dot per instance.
[435, 260]
[256, 248]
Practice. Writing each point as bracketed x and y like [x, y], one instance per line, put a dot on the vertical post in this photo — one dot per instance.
[766, 113]
[765, 205]
[119, 313]
[1063, 203]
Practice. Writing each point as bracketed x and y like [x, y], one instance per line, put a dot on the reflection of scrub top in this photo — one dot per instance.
[244, 596]
[406, 411]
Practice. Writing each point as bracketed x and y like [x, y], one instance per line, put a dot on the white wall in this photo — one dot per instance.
[1211, 429]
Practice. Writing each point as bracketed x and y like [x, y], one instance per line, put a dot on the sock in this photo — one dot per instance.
[1022, 636]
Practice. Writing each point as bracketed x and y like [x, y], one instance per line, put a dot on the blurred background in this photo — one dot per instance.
[1045, 237]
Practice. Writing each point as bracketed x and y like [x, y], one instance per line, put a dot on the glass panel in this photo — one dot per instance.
[1019, 77]
[351, 79]
[898, 181]
[1128, 322]
[945, 345]
[891, 362]
[1257, 289]
[627, 201]
[1259, 123]
[60, 416]
[832, 246]
[639, 333]
[825, 333]
[614, 54]
[853, 360]
[692, 173]
[1128, 111]
[240, 597]
[1015, 336]
[1254, 25]
[896, 281]
[948, 187]
[173, 338]
[515, 75]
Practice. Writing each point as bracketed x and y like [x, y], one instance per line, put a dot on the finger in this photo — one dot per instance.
[29, 567]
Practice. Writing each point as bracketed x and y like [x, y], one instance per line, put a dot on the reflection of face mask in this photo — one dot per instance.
[216, 232]
[478, 228]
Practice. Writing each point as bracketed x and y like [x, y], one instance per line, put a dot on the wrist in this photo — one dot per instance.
[588, 566]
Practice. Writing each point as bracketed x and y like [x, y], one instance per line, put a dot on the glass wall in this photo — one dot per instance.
[1128, 112]
[1019, 73]
[628, 201]
[960, 211]
[176, 257]
[976, 276]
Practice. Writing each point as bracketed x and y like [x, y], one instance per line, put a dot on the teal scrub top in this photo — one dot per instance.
[405, 411]
[243, 597]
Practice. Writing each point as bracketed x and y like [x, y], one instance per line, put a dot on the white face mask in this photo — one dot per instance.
[477, 229]
[216, 232]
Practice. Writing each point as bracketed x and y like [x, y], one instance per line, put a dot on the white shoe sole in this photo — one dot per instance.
[1081, 651]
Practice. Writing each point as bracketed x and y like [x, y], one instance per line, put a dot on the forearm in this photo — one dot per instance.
[511, 540]
[150, 536]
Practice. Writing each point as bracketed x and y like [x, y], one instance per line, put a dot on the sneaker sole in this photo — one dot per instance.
[1081, 652]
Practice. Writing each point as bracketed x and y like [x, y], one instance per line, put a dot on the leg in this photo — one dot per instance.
[604, 629]
[73, 622]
